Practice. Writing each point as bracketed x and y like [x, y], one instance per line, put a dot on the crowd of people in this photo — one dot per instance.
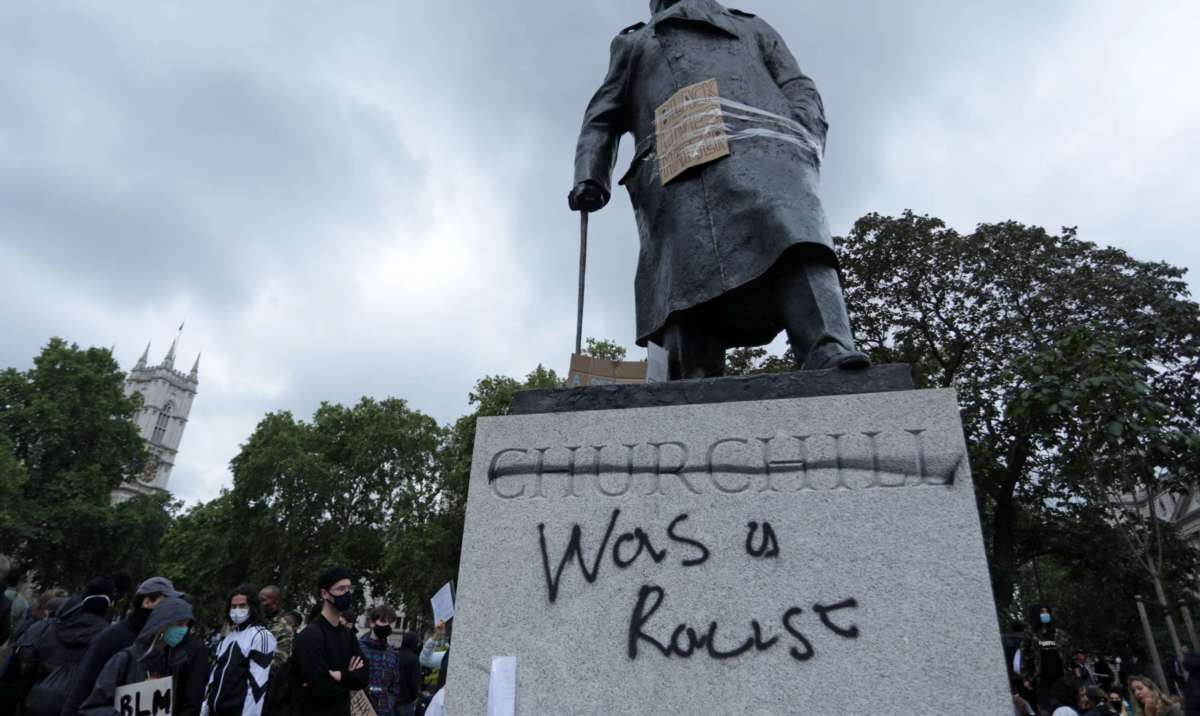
[69, 655]
[1050, 678]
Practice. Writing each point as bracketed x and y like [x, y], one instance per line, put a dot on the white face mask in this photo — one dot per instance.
[239, 615]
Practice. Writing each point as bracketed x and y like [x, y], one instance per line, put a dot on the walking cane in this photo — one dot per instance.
[583, 221]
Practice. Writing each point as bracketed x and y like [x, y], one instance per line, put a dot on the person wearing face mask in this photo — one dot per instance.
[115, 638]
[238, 681]
[49, 664]
[166, 646]
[383, 660]
[327, 661]
[1044, 654]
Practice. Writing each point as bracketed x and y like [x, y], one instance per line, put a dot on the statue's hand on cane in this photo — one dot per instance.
[587, 196]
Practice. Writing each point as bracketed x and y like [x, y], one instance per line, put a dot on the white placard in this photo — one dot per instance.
[148, 698]
[437, 704]
[443, 604]
[502, 687]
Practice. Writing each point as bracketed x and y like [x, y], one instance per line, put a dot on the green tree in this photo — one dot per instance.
[604, 349]
[423, 550]
[203, 554]
[1082, 566]
[754, 361]
[67, 439]
[1019, 321]
[308, 495]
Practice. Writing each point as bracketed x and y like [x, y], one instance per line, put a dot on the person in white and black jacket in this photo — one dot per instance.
[237, 685]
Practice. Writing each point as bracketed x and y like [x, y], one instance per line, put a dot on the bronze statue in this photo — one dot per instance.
[736, 249]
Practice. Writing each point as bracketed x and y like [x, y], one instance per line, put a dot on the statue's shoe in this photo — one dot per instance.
[843, 359]
[850, 360]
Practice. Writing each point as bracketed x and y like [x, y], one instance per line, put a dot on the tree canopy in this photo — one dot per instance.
[1075, 365]
[67, 439]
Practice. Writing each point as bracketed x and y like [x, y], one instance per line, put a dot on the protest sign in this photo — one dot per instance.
[147, 698]
[360, 704]
[443, 604]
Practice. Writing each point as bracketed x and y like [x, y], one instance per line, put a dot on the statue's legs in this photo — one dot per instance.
[808, 296]
[692, 349]
[802, 292]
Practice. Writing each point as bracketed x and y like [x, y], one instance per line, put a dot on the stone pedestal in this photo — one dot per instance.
[809, 555]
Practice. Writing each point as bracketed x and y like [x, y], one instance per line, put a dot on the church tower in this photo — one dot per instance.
[167, 396]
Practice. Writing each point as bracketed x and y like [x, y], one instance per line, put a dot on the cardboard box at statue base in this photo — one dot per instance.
[817, 555]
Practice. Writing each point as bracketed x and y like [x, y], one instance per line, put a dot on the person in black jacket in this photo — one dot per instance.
[166, 646]
[327, 662]
[1191, 690]
[115, 638]
[410, 674]
[49, 664]
[12, 684]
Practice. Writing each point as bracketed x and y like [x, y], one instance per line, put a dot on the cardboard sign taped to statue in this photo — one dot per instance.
[148, 698]
[690, 129]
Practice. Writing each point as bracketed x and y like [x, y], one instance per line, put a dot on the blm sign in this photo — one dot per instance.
[148, 698]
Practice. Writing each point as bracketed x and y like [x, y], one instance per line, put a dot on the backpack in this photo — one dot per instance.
[47, 696]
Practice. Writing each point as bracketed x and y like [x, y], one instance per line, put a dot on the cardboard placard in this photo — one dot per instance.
[360, 704]
[148, 698]
[586, 370]
[690, 130]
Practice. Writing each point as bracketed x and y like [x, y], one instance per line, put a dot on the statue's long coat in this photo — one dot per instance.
[720, 226]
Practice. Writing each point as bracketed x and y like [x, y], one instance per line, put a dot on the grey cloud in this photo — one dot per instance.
[248, 164]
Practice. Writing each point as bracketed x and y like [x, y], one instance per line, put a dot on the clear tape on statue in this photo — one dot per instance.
[718, 119]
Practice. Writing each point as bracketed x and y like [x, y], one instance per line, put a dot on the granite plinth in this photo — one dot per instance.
[793, 556]
[775, 386]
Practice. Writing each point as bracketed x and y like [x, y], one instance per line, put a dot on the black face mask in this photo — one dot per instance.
[382, 632]
[342, 602]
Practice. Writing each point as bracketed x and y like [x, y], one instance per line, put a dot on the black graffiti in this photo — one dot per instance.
[685, 641]
[768, 547]
[704, 553]
[639, 535]
[574, 549]
[850, 632]
[798, 655]
[622, 557]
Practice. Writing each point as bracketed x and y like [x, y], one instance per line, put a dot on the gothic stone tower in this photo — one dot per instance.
[167, 396]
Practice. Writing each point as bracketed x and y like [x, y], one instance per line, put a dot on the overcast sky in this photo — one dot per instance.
[368, 198]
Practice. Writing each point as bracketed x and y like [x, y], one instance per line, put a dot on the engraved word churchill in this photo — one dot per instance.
[831, 461]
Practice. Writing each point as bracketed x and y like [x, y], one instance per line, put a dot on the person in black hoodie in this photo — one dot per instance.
[50, 663]
[166, 646]
[115, 638]
[410, 674]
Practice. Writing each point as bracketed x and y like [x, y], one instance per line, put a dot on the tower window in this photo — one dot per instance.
[164, 419]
